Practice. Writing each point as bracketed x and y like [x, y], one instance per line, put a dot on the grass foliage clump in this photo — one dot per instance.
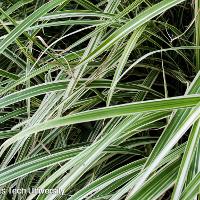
[100, 99]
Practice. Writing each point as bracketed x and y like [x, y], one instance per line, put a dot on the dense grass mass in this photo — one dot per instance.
[100, 99]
